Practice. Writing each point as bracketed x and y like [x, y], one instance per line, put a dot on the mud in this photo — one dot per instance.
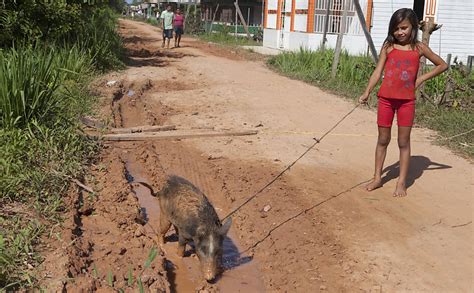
[241, 273]
[348, 241]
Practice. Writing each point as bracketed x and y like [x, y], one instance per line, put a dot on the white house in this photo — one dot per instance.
[291, 24]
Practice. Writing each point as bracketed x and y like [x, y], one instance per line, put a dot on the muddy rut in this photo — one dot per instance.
[310, 231]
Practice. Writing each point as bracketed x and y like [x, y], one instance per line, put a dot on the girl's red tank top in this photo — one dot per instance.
[400, 72]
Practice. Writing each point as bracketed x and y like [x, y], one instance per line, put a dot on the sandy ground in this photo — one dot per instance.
[348, 240]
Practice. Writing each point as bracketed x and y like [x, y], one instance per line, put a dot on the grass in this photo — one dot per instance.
[43, 93]
[450, 117]
[228, 39]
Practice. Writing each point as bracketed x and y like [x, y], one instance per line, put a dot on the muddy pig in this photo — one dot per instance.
[186, 208]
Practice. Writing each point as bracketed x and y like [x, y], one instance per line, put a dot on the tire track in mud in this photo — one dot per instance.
[213, 177]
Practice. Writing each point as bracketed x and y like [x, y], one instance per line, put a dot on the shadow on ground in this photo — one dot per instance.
[418, 165]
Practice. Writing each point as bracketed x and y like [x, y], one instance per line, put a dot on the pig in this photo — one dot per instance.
[194, 218]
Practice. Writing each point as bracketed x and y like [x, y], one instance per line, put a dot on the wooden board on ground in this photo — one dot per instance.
[172, 135]
[144, 128]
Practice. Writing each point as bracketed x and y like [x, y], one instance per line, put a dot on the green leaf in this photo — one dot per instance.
[130, 277]
[94, 272]
[140, 285]
[110, 279]
[151, 257]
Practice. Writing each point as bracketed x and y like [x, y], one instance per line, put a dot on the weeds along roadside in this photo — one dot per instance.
[43, 92]
[448, 112]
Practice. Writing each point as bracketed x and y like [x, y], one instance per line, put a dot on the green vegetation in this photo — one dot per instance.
[450, 114]
[217, 27]
[223, 34]
[49, 52]
[228, 39]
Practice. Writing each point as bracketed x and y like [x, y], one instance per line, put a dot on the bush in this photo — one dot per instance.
[99, 37]
[152, 21]
[33, 83]
[49, 51]
[458, 94]
[352, 74]
[194, 24]
[44, 91]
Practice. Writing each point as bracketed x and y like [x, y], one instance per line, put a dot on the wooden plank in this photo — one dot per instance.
[172, 135]
[145, 128]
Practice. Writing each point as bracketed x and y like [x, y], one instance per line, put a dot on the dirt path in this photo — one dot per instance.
[351, 240]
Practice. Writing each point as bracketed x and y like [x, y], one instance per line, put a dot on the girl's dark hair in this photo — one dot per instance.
[397, 17]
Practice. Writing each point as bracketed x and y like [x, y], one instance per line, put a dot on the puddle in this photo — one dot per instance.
[241, 273]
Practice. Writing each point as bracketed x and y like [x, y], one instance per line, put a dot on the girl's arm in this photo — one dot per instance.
[374, 79]
[440, 65]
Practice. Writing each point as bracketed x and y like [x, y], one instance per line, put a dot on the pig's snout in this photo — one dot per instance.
[210, 272]
[209, 276]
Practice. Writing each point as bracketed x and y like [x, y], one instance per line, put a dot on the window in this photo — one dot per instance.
[335, 17]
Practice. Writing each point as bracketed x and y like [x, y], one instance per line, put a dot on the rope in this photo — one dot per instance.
[457, 135]
[302, 212]
[292, 164]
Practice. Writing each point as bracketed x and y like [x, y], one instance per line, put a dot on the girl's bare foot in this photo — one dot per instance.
[374, 184]
[400, 190]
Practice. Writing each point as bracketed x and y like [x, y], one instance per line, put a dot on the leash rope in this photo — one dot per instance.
[302, 212]
[292, 164]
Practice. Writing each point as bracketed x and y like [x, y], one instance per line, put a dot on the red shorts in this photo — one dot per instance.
[386, 110]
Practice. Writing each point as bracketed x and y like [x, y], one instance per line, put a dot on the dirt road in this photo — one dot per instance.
[351, 240]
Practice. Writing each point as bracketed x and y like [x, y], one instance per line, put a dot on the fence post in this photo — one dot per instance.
[448, 60]
[469, 63]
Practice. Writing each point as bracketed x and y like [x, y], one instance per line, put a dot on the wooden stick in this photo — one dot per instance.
[86, 188]
[145, 128]
[172, 135]
[342, 28]
[237, 8]
[213, 18]
[326, 25]
[363, 23]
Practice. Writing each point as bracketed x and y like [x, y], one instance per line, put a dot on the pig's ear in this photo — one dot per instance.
[225, 227]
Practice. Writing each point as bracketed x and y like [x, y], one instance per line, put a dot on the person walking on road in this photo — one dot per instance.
[167, 17]
[399, 60]
[178, 24]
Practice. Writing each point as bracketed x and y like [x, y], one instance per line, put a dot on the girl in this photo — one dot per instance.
[178, 24]
[399, 60]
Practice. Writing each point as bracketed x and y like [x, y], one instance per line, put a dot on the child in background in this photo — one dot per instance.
[167, 17]
[178, 24]
[399, 60]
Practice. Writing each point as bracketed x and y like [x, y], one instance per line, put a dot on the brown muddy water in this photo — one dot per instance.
[240, 274]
